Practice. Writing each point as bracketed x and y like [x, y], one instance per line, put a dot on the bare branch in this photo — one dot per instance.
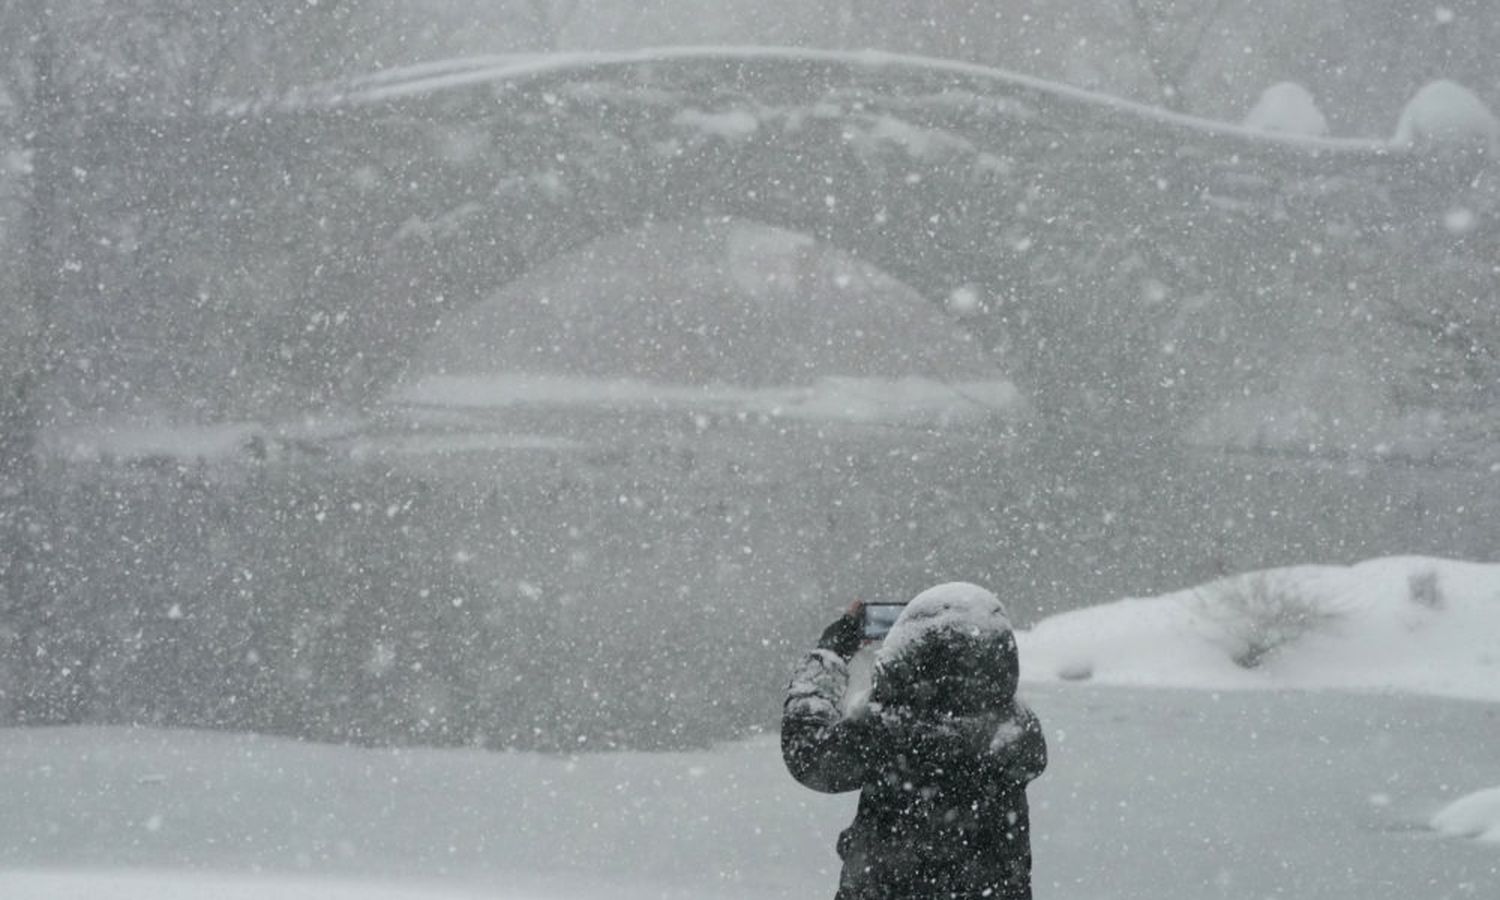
[1169, 61]
[1154, 52]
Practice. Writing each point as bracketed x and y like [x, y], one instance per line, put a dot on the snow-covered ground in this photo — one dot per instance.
[398, 84]
[1163, 784]
[838, 399]
[170, 885]
[1476, 815]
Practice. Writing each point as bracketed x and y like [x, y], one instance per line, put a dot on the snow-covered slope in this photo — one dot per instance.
[398, 84]
[1177, 795]
[1287, 107]
[833, 399]
[1476, 815]
[1405, 625]
[1446, 114]
[167, 884]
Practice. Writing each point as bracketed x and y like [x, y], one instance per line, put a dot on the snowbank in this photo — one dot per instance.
[152, 439]
[168, 440]
[1474, 816]
[1287, 107]
[736, 125]
[1448, 116]
[1405, 625]
[838, 398]
[461, 73]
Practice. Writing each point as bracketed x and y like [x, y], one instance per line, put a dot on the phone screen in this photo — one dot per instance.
[879, 617]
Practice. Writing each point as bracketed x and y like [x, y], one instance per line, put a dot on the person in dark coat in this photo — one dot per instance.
[941, 752]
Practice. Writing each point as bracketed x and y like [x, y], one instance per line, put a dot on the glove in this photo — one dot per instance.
[843, 636]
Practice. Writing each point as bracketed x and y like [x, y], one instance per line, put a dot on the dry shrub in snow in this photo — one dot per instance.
[1424, 590]
[1261, 613]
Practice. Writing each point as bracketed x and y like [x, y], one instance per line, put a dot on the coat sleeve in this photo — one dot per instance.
[1018, 747]
[822, 748]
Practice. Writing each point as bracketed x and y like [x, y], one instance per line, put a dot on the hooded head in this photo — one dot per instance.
[951, 651]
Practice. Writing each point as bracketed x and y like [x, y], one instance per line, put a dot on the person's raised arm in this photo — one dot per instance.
[821, 747]
[1018, 748]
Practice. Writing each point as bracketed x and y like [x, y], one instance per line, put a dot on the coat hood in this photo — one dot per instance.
[952, 651]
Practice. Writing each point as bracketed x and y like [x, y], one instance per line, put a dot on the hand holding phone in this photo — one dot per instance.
[876, 619]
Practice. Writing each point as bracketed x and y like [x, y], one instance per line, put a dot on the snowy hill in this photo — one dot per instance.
[1475, 816]
[1408, 625]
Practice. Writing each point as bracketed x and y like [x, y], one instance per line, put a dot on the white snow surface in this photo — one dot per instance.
[733, 126]
[1448, 115]
[1287, 107]
[955, 606]
[911, 399]
[143, 439]
[1152, 790]
[1474, 816]
[459, 74]
[1173, 795]
[1410, 625]
[173, 885]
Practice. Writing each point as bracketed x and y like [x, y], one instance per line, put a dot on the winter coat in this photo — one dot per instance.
[941, 754]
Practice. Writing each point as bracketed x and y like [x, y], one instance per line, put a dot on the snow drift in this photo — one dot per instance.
[1407, 625]
[1474, 816]
[1448, 116]
[1287, 107]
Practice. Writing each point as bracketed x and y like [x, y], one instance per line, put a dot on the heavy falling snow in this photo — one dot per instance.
[432, 433]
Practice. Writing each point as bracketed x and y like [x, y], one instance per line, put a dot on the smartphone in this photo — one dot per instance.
[878, 619]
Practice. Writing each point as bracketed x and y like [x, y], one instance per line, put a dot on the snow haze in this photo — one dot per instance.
[431, 432]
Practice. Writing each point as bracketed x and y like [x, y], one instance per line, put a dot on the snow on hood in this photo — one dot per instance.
[951, 651]
[957, 606]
